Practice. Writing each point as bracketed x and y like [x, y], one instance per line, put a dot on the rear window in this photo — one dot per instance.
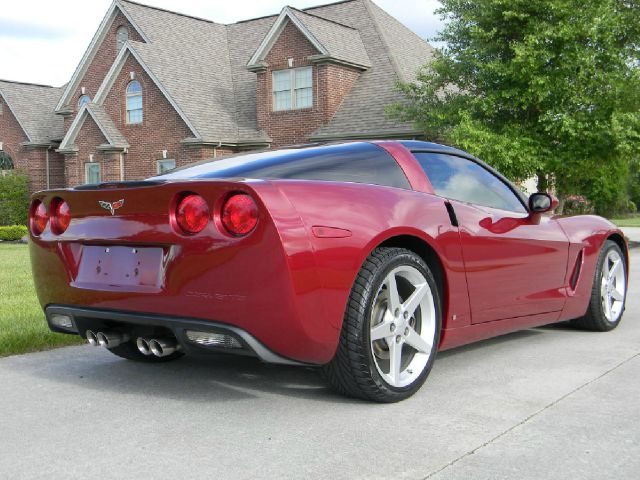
[353, 162]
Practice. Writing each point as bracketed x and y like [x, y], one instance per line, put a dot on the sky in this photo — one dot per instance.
[42, 41]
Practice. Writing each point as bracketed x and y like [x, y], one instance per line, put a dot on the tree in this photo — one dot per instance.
[544, 87]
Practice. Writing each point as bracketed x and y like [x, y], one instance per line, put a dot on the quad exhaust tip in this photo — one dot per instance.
[92, 338]
[160, 347]
[106, 338]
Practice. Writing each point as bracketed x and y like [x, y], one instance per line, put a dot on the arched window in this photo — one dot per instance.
[83, 100]
[5, 161]
[134, 102]
[122, 35]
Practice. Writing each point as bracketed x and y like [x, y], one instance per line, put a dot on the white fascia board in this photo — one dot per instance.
[115, 69]
[90, 53]
[71, 135]
[274, 33]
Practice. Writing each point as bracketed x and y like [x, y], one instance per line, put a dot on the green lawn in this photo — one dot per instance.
[23, 327]
[632, 221]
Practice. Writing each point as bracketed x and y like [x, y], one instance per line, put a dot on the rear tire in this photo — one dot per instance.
[130, 351]
[390, 331]
[608, 293]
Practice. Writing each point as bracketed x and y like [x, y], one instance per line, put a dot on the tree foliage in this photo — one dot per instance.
[547, 87]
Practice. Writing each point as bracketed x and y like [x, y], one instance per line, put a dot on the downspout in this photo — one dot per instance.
[122, 166]
[48, 176]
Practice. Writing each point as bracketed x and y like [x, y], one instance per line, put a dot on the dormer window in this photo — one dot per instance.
[122, 35]
[293, 88]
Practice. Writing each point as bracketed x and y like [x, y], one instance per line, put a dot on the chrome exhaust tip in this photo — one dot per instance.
[163, 347]
[111, 339]
[92, 338]
[143, 346]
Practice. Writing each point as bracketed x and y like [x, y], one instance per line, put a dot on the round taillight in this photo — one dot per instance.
[239, 214]
[60, 216]
[192, 213]
[38, 220]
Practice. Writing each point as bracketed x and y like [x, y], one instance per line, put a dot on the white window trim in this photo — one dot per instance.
[292, 90]
[121, 28]
[126, 103]
[86, 171]
[159, 162]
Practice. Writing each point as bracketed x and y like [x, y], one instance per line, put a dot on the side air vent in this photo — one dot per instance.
[575, 276]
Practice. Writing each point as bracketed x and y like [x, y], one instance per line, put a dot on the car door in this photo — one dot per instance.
[515, 266]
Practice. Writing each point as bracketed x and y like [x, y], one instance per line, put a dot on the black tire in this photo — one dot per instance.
[595, 318]
[130, 351]
[353, 371]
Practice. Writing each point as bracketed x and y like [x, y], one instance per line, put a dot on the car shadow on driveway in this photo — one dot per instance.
[211, 378]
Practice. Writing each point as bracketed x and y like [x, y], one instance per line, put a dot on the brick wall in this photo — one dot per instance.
[30, 161]
[11, 136]
[331, 83]
[88, 139]
[162, 128]
[100, 64]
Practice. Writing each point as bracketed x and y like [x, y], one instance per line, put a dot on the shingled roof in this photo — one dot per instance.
[332, 39]
[33, 106]
[202, 66]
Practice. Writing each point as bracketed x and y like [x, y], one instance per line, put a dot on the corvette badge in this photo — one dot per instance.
[111, 206]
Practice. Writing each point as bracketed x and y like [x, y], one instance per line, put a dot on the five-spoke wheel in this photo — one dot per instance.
[391, 328]
[609, 291]
[403, 326]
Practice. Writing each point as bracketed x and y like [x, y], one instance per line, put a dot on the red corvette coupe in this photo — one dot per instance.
[361, 258]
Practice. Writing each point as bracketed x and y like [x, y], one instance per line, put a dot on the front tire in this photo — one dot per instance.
[609, 291]
[390, 331]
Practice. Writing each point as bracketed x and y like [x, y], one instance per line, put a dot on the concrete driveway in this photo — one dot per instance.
[544, 403]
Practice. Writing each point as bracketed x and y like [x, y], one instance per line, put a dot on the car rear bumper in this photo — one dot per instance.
[83, 319]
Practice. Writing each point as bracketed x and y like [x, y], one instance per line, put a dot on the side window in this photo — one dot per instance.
[461, 179]
[351, 162]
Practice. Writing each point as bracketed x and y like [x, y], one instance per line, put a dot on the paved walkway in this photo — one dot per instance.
[544, 403]
[633, 233]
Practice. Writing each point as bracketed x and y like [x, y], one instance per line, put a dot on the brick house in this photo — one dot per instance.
[157, 89]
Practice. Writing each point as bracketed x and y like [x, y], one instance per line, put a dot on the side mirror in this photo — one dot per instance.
[542, 202]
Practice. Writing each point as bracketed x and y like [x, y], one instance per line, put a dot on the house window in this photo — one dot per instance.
[134, 102]
[83, 100]
[92, 173]
[5, 161]
[0, 106]
[293, 88]
[165, 165]
[122, 35]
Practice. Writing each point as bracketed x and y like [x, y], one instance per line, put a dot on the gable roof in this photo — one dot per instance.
[332, 39]
[362, 113]
[115, 139]
[91, 51]
[33, 107]
[201, 66]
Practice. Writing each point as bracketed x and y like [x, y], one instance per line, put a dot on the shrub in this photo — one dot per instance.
[634, 182]
[577, 205]
[12, 232]
[14, 199]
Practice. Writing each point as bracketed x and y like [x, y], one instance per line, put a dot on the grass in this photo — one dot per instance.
[23, 327]
[631, 221]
